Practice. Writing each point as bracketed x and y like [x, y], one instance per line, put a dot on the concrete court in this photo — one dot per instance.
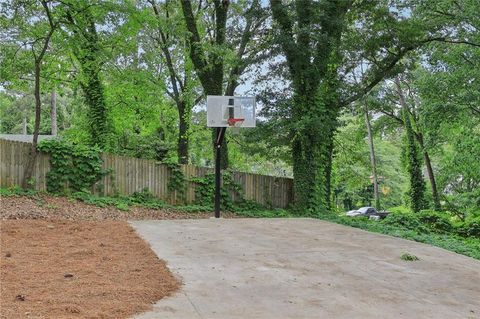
[306, 268]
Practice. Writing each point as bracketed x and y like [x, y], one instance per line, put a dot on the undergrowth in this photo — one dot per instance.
[140, 199]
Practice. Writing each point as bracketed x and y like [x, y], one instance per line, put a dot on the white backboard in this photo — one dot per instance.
[218, 112]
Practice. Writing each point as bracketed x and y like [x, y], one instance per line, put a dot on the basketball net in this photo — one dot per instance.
[233, 121]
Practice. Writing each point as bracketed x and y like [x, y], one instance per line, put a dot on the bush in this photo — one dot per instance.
[436, 221]
[143, 196]
[205, 191]
[400, 210]
[406, 221]
[98, 201]
[471, 227]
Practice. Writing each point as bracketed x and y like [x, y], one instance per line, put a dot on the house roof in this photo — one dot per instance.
[25, 138]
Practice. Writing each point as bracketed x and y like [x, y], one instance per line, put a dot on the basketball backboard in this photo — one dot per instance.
[230, 111]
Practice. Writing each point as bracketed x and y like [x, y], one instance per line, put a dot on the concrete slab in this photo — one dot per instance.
[306, 268]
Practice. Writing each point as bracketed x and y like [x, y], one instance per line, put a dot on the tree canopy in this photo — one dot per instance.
[373, 102]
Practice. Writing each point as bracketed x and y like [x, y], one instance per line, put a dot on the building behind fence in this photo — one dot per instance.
[128, 175]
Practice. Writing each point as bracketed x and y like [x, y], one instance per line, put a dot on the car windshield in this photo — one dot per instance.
[364, 210]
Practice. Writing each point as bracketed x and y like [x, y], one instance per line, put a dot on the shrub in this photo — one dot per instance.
[205, 191]
[436, 221]
[145, 195]
[471, 227]
[400, 209]
[406, 221]
[99, 201]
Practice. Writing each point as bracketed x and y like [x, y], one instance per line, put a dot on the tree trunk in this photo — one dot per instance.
[312, 149]
[95, 99]
[27, 177]
[417, 184]
[373, 160]
[28, 173]
[209, 68]
[184, 124]
[431, 176]
[87, 51]
[312, 169]
[53, 113]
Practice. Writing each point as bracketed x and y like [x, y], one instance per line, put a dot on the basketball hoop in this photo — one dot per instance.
[233, 121]
[224, 112]
[230, 111]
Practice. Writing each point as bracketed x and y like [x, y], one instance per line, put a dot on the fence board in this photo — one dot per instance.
[132, 174]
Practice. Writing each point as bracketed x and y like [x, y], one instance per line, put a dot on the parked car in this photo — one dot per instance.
[368, 211]
[363, 211]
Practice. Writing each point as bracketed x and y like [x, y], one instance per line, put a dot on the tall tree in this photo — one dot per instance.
[86, 46]
[209, 47]
[324, 43]
[53, 112]
[420, 121]
[413, 162]
[32, 26]
[373, 159]
[182, 87]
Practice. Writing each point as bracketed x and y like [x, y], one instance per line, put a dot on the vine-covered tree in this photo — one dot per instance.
[325, 43]
[87, 48]
[412, 156]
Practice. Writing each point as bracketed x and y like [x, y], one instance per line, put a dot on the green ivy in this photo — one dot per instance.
[177, 181]
[73, 167]
[205, 191]
[413, 163]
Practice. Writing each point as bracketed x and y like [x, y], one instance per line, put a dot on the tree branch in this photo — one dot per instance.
[196, 52]
[162, 41]
[379, 73]
[458, 42]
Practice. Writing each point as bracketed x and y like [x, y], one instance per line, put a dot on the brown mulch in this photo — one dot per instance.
[44, 206]
[76, 269]
[62, 258]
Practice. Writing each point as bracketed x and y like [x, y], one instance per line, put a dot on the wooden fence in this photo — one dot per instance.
[129, 175]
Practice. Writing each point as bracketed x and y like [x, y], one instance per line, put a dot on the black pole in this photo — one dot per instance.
[218, 173]
[217, 177]
[218, 153]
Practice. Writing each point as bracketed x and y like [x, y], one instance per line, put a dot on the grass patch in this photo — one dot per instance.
[409, 257]
[17, 191]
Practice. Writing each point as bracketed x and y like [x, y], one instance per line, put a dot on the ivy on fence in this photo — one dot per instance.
[73, 167]
[176, 182]
[205, 190]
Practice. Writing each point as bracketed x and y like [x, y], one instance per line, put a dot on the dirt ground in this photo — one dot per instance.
[54, 207]
[78, 269]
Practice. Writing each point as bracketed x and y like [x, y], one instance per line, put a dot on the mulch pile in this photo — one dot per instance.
[78, 269]
[61, 258]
